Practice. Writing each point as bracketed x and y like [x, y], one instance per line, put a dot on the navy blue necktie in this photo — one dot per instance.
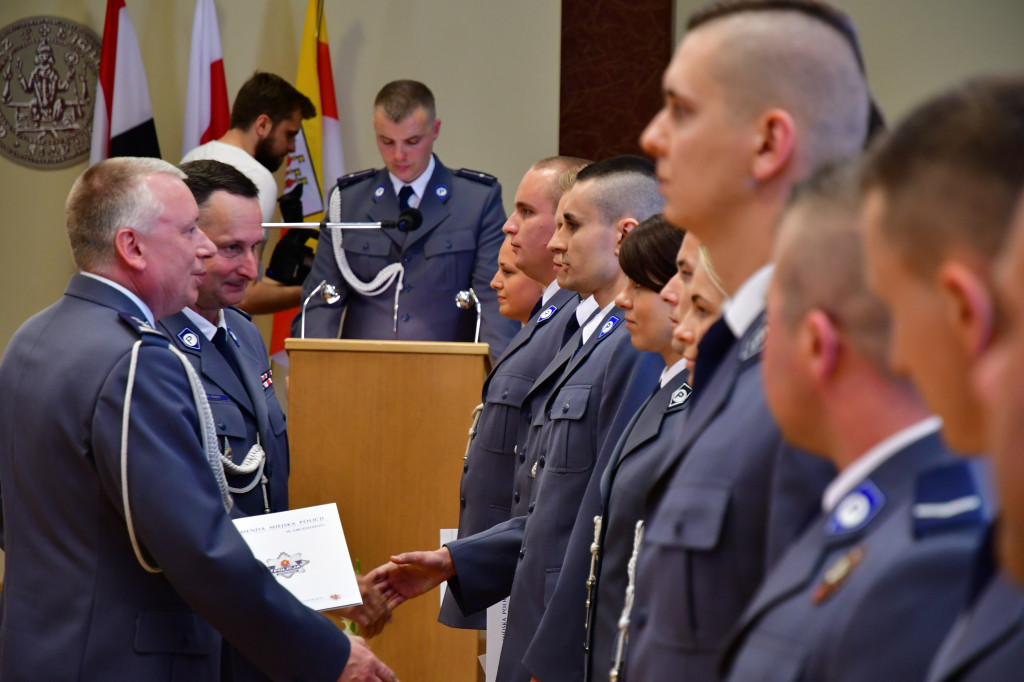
[404, 195]
[220, 340]
[712, 349]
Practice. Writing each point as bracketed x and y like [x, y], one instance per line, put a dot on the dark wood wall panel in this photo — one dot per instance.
[613, 55]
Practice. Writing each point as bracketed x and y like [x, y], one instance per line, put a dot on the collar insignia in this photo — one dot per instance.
[189, 338]
[608, 326]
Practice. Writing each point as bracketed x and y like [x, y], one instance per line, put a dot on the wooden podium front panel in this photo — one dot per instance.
[383, 434]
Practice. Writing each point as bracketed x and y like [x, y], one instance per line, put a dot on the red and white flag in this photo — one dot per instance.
[206, 99]
[122, 121]
[317, 161]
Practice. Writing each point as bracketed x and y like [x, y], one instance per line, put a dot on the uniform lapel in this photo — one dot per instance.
[213, 366]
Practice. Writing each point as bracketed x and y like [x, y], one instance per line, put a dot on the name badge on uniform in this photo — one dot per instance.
[189, 338]
[856, 509]
[546, 314]
[608, 326]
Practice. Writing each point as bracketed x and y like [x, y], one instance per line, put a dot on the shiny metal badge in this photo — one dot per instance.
[48, 72]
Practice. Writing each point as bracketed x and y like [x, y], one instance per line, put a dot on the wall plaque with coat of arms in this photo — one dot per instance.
[48, 71]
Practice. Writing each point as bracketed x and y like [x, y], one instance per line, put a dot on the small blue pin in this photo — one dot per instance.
[856, 509]
[234, 338]
[441, 191]
[608, 326]
[379, 192]
[546, 314]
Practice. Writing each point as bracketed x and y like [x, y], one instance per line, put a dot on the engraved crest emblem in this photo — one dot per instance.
[287, 565]
[48, 71]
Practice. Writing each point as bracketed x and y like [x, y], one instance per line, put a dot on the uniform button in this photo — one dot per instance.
[465, 468]
[565, 408]
[532, 504]
[220, 425]
[522, 553]
[641, 618]
[515, 496]
[405, 317]
[462, 502]
[366, 247]
[522, 457]
[679, 527]
[529, 416]
[542, 461]
[504, 394]
[447, 244]
[406, 259]
[407, 288]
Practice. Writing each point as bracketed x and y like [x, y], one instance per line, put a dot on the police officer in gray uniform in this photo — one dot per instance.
[487, 473]
[965, 147]
[735, 496]
[604, 381]
[225, 347]
[455, 248]
[870, 589]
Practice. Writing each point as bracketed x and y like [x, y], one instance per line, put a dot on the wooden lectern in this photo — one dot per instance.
[380, 427]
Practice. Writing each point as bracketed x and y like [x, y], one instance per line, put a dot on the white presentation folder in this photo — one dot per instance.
[305, 549]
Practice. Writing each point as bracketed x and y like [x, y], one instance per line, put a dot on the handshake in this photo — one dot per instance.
[382, 590]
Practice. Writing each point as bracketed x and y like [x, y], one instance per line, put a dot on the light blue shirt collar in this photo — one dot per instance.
[204, 324]
[419, 185]
[742, 309]
[134, 298]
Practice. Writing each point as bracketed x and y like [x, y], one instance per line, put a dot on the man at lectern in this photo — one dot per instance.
[400, 285]
[118, 539]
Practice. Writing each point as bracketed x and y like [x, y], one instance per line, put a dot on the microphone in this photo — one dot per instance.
[408, 220]
[328, 292]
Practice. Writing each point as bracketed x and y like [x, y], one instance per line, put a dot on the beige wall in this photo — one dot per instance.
[493, 67]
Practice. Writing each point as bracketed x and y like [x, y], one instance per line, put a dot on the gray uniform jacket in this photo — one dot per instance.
[601, 389]
[735, 499]
[71, 570]
[868, 592]
[617, 492]
[485, 491]
[241, 409]
[614, 378]
[455, 248]
[987, 644]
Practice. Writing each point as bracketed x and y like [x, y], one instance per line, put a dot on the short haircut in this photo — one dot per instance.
[773, 57]
[208, 176]
[108, 196]
[821, 262]
[816, 9]
[566, 168]
[624, 187]
[399, 99]
[647, 254]
[951, 172]
[267, 93]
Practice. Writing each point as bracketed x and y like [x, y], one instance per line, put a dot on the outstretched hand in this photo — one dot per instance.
[373, 614]
[364, 666]
[411, 574]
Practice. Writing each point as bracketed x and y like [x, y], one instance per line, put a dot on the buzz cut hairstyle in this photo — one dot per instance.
[399, 99]
[816, 9]
[822, 264]
[625, 187]
[566, 168]
[268, 93]
[951, 172]
[107, 197]
[207, 176]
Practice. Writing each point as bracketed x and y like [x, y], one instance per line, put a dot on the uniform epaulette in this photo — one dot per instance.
[346, 180]
[477, 176]
[948, 497]
[141, 326]
[241, 312]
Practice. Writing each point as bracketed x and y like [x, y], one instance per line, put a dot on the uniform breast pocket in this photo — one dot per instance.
[227, 417]
[451, 253]
[571, 448]
[505, 395]
[686, 529]
[367, 251]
